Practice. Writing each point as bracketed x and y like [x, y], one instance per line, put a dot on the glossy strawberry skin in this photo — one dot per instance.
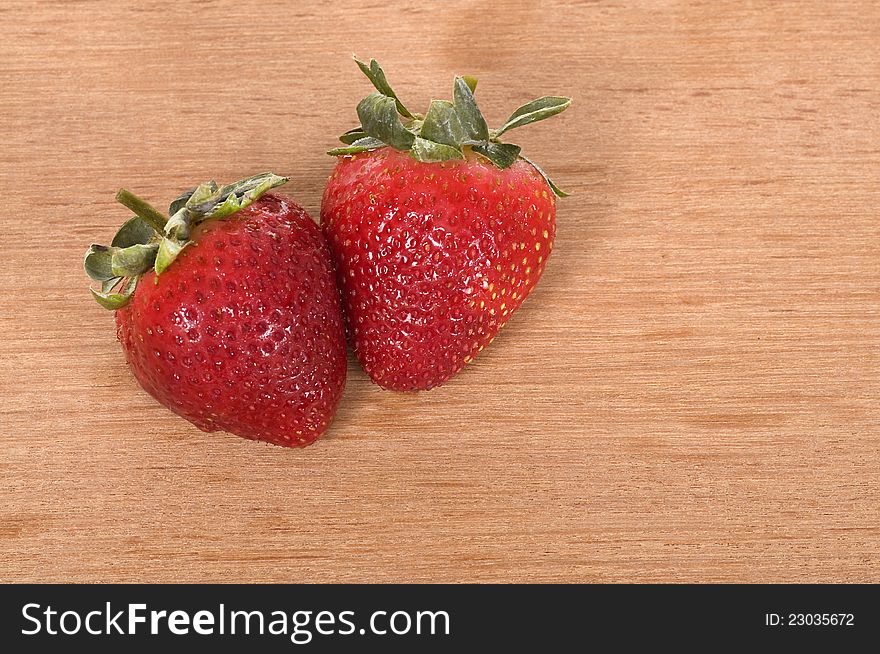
[243, 332]
[432, 258]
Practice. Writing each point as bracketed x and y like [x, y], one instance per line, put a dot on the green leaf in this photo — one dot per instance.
[442, 125]
[469, 114]
[97, 262]
[556, 190]
[179, 225]
[133, 260]
[377, 76]
[238, 195]
[361, 145]
[431, 151]
[116, 300]
[471, 82]
[536, 110]
[353, 135]
[107, 285]
[380, 120]
[133, 231]
[168, 251]
[209, 201]
[180, 201]
[503, 155]
[202, 193]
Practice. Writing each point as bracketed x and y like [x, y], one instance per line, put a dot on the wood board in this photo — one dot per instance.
[689, 395]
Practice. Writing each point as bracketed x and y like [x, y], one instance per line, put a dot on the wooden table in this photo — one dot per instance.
[691, 394]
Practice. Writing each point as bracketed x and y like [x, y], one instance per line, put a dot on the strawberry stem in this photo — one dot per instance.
[143, 209]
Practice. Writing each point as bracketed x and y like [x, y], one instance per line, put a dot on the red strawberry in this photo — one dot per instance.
[228, 312]
[438, 230]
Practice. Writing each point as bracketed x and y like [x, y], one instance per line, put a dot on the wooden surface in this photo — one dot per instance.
[690, 394]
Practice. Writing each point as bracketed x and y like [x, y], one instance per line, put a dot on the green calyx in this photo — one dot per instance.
[151, 239]
[449, 130]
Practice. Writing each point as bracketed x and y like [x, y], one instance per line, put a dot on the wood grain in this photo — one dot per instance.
[691, 394]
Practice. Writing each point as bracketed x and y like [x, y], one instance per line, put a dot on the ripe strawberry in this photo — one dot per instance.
[228, 312]
[438, 230]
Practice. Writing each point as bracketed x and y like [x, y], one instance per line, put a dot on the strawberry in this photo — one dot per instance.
[439, 231]
[227, 311]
